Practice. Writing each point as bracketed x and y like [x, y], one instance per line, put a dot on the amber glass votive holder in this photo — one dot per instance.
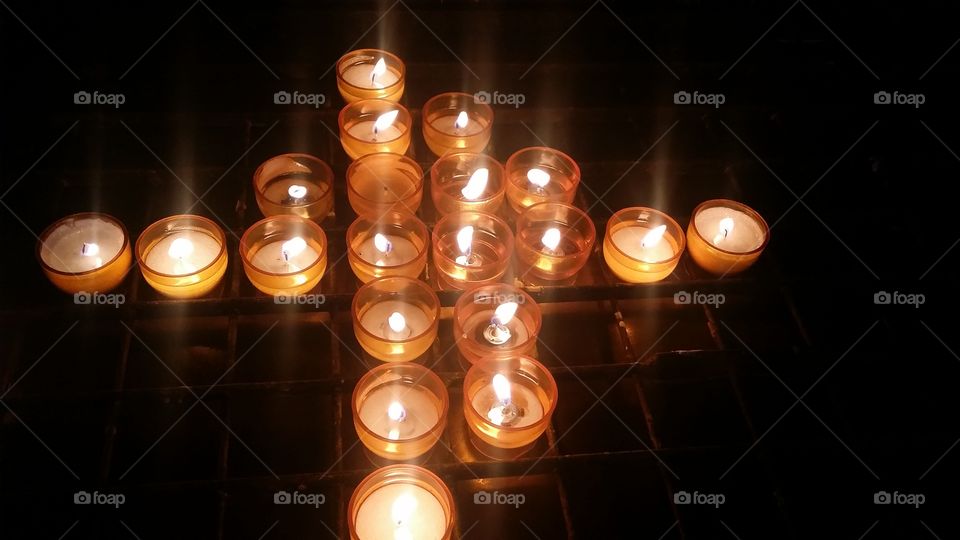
[625, 252]
[400, 410]
[484, 259]
[356, 79]
[380, 183]
[554, 240]
[455, 121]
[179, 277]
[393, 244]
[480, 331]
[267, 251]
[508, 402]
[540, 174]
[358, 121]
[730, 249]
[450, 188]
[383, 334]
[401, 496]
[86, 252]
[296, 184]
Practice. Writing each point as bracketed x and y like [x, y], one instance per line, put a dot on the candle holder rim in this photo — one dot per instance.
[527, 300]
[404, 113]
[327, 172]
[563, 155]
[79, 215]
[434, 173]
[486, 108]
[680, 238]
[353, 505]
[432, 294]
[396, 60]
[219, 236]
[592, 237]
[508, 241]
[400, 157]
[547, 412]
[309, 223]
[737, 206]
[428, 374]
[420, 225]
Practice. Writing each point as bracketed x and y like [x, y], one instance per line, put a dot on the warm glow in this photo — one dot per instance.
[396, 411]
[292, 247]
[89, 250]
[397, 321]
[378, 69]
[538, 177]
[551, 238]
[501, 386]
[505, 312]
[180, 248]
[296, 191]
[381, 243]
[476, 185]
[465, 239]
[462, 120]
[385, 120]
[726, 226]
[403, 508]
[653, 237]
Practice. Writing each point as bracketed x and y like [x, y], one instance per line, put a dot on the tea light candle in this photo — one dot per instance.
[296, 184]
[86, 252]
[399, 410]
[394, 244]
[182, 256]
[726, 237]
[374, 125]
[370, 74]
[540, 174]
[401, 502]
[642, 245]
[456, 121]
[284, 255]
[471, 248]
[508, 402]
[380, 183]
[496, 320]
[395, 318]
[466, 181]
[554, 240]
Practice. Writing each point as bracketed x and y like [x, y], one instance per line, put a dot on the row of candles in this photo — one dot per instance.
[400, 408]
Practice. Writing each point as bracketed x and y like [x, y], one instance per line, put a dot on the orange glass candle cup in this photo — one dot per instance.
[183, 256]
[540, 174]
[400, 410]
[554, 240]
[642, 245]
[372, 126]
[467, 181]
[726, 237]
[296, 184]
[496, 321]
[395, 318]
[471, 248]
[85, 253]
[284, 255]
[380, 183]
[455, 121]
[394, 244]
[401, 501]
[508, 402]
[370, 74]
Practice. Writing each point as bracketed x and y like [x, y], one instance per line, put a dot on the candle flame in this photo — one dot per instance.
[726, 226]
[551, 238]
[538, 177]
[462, 120]
[402, 509]
[465, 239]
[385, 120]
[89, 250]
[653, 237]
[292, 247]
[378, 69]
[505, 312]
[180, 248]
[296, 191]
[476, 184]
[396, 412]
[381, 243]
[397, 321]
[501, 386]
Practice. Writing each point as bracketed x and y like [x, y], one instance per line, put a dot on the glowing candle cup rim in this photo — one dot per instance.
[426, 373]
[402, 121]
[323, 177]
[402, 473]
[434, 299]
[507, 241]
[734, 205]
[550, 388]
[420, 231]
[318, 235]
[218, 235]
[81, 215]
[673, 230]
[390, 59]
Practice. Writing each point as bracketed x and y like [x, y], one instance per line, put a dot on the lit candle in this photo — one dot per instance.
[476, 185]
[373, 126]
[497, 320]
[456, 121]
[182, 256]
[540, 174]
[284, 255]
[370, 74]
[471, 248]
[400, 509]
[726, 237]
[642, 245]
[387, 250]
[395, 318]
[394, 244]
[85, 252]
[297, 184]
[465, 243]
[466, 181]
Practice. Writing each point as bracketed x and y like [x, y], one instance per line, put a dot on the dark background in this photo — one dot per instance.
[685, 392]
